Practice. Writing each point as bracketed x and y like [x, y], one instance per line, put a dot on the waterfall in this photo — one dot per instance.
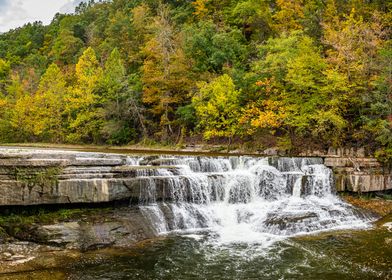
[242, 199]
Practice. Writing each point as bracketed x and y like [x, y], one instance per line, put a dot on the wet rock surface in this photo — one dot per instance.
[100, 228]
[33, 176]
[27, 246]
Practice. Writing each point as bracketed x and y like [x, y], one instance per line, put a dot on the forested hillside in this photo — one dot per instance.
[117, 72]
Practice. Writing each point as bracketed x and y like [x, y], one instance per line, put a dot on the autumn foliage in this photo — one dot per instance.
[121, 71]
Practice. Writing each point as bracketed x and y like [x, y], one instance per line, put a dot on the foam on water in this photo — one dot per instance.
[247, 200]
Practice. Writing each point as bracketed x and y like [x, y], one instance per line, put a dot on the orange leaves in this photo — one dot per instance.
[266, 85]
[266, 114]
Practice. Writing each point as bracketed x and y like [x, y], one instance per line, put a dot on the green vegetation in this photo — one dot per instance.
[119, 72]
[29, 216]
[47, 177]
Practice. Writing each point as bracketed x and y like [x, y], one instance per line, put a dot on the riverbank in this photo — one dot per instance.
[155, 149]
[199, 148]
[377, 205]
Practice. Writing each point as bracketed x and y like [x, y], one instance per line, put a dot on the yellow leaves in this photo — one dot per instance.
[3, 103]
[140, 16]
[288, 16]
[88, 71]
[200, 8]
[354, 44]
[217, 107]
[4, 68]
[40, 114]
[266, 114]
[267, 119]
[165, 71]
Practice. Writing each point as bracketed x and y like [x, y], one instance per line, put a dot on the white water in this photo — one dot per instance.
[244, 199]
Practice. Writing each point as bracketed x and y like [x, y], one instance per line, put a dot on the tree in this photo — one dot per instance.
[48, 106]
[295, 91]
[5, 68]
[200, 7]
[212, 48]
[289, 15]
[39, 116]
[255, 18]
[82, 102]
[217, 108]
[377, 116]
[66, 47]
[12, 120]
[353, 48]
[353, 45]
[117, 127]
[164, 73]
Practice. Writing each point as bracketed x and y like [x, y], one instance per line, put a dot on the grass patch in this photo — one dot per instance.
[47, 216]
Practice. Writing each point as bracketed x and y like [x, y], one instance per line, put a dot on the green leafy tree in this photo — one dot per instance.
[255, 18]
[296, 95]
[212, 48]
[118, 126]
[164, 74]
[5, 69]
[82, 101]
[377, 116]
[217, 108]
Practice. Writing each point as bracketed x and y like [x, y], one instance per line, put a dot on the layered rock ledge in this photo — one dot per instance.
[30, 177]
[356, 172]
[34, 177]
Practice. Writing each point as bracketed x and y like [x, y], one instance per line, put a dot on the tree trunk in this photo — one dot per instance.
[229, 144]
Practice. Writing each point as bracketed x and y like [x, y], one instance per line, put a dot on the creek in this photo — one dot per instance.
[241, 218]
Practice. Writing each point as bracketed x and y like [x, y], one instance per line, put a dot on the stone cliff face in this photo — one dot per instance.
[31, 176]
[355, 172]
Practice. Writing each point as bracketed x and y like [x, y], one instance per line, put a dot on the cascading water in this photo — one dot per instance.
[243, 199]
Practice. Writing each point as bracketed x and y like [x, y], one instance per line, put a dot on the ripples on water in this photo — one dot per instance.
[242, 218]
[336, 255]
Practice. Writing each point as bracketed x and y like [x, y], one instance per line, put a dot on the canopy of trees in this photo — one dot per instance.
[122, 71]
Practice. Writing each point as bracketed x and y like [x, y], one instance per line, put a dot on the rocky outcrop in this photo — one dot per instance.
[30, 177]
[30, 246]
[355, 172]
[33, 177]
[94, 229]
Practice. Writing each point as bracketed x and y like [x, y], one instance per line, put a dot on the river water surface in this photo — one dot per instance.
[352, 254]
[241, 218]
